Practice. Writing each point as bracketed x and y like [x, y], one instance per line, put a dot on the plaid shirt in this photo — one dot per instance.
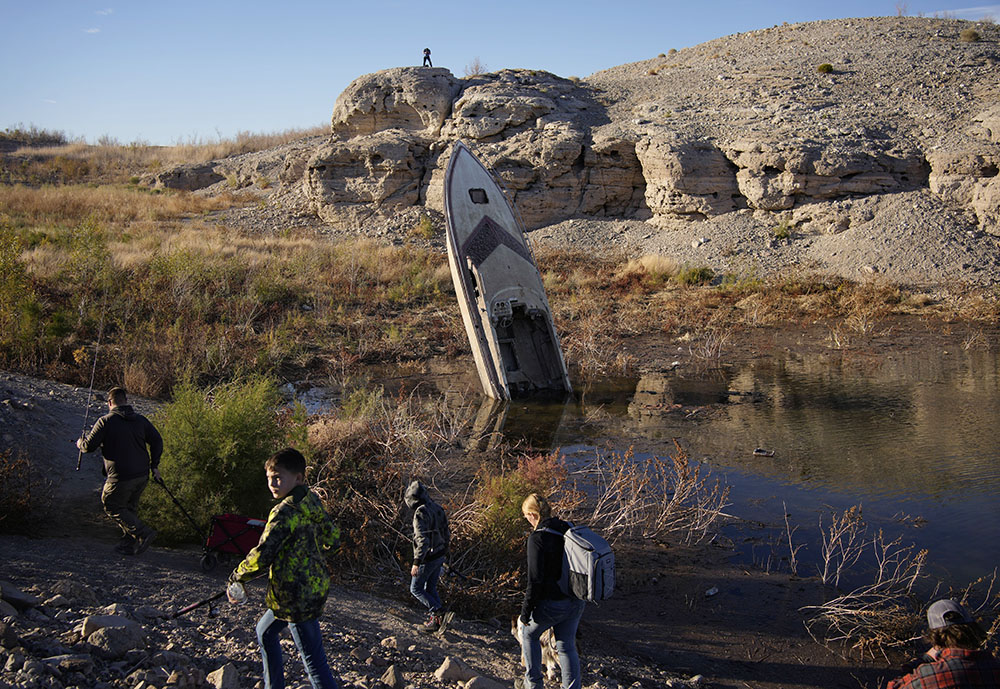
[955, 667]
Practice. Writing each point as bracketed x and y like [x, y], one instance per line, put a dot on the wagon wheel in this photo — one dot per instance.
[209, 561]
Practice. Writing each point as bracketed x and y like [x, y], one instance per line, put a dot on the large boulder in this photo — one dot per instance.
[687, 177]
[407, 99]
[349, 181]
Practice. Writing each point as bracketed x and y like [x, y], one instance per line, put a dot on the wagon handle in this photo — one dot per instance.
[162, 484]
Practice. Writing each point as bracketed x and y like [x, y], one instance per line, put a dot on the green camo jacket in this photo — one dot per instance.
[297, 534]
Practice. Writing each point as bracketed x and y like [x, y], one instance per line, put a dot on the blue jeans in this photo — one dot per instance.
[563, 616]
[307, 639]
[424, 585]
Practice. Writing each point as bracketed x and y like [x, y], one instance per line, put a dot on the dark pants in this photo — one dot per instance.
[427, 61]
[424, 585]
[121, 503]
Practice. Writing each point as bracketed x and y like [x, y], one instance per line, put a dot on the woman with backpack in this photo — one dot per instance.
[545, 604]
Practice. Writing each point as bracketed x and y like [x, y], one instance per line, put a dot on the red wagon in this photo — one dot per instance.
[230, 533]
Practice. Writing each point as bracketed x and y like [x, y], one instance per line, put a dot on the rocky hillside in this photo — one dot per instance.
[888, 128]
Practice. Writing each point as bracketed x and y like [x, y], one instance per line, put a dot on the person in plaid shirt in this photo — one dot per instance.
[956, 658]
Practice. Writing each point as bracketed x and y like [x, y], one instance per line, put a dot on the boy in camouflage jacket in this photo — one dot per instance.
[292, 547]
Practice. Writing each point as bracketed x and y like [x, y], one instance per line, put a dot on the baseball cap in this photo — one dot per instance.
[946, 612]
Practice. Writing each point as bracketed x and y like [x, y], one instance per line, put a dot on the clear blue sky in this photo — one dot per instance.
[179, 71]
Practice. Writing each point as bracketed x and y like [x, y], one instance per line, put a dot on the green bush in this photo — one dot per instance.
[825, 68]
[424, 229]
[500, 494]
[694, 276]
[215, 444]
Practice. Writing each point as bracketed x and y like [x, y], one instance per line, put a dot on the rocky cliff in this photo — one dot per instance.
[849, 146]
[749, 121]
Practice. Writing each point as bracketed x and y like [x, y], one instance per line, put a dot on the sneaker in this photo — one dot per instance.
[125, 548]
[145, 541]
[431, 625]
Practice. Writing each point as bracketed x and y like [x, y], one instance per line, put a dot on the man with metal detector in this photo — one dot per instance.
[124, 436]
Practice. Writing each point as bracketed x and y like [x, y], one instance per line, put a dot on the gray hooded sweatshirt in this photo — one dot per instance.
[430, 525]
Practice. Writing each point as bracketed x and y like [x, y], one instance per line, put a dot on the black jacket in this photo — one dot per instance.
[430, 525]
[545, 561]
[123, 436]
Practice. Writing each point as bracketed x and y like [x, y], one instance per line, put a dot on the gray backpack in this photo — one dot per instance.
[588, 571]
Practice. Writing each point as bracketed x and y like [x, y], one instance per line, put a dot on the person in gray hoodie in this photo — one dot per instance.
[430, 546]
[123, 436]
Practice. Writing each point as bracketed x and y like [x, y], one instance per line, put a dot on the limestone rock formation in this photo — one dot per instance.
[742, 123]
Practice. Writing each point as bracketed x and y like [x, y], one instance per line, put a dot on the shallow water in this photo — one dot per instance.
[910, 436]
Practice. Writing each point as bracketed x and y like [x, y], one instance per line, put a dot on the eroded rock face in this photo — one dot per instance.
[972, 179]
[405, 99]
[687, 177]
[349, 180]
[690, 135]
[778, 176]
[393, 131]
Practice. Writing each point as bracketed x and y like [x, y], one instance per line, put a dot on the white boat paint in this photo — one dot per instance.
[500, 292]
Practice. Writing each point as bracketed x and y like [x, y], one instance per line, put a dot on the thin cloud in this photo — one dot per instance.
[971, 12]
[49, 101]
[105, 12]
[91, 31]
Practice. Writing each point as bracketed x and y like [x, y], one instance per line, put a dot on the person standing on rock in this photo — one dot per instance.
[124, 436]
[292, 551]
[545, 606]
[430, 546]
[427, 57]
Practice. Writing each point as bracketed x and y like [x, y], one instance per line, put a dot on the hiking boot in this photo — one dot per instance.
[126, 547]
[431, 625]
[145, 541]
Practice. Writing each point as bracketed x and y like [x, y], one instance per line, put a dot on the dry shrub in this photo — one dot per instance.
[868, 303]
[365, 455]
[592, 345]
[111, 157]
[23, 493]
[654, 270]
[652, 497]
[489, 531]
[878, 616]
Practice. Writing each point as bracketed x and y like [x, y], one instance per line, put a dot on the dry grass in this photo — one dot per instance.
[50, 205]
[110, 161]
[110, 153]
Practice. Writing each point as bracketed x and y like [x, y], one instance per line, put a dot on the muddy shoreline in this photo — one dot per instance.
[662, 623]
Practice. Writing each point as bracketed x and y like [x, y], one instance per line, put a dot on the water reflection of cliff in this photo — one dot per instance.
[916, 421]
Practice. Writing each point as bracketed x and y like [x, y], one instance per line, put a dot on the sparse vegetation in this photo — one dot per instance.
[783, 230]
[475, 68]
[24, 494]
[969, 36]
[695, 275]
[825, 68]
[424, 228]
[48, 158]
